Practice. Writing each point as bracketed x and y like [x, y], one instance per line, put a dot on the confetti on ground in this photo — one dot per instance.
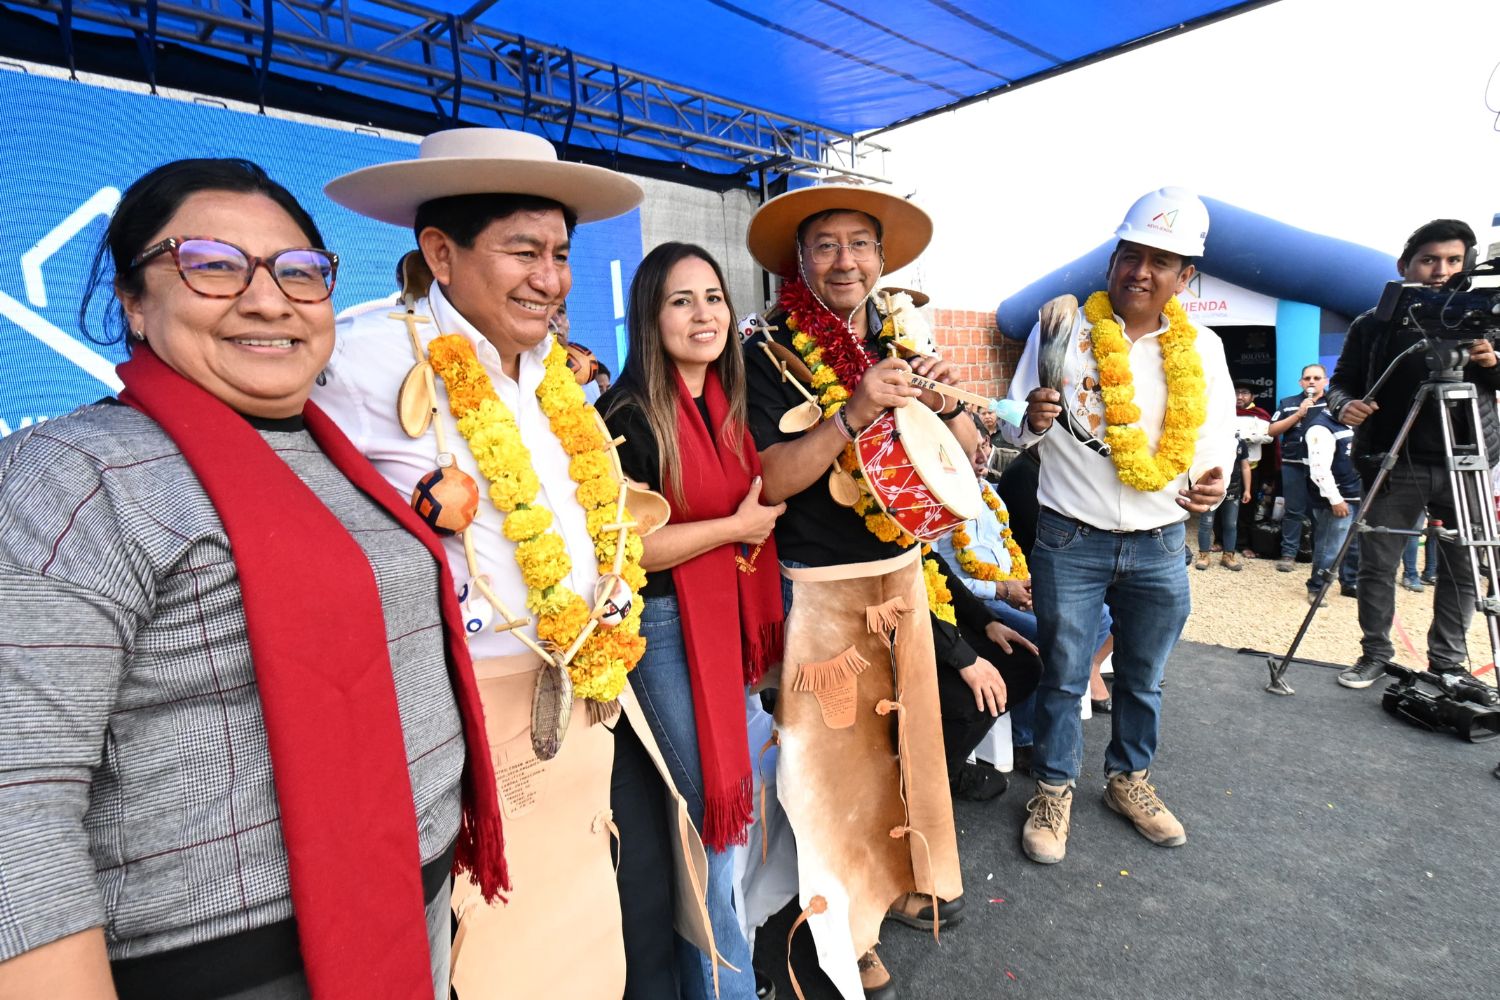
[1429, 874]
[997, 900]
[1098, 885]
[1124, 872]
[989, 876]
[1009, 974]
[1330, 805]
[1228, 792]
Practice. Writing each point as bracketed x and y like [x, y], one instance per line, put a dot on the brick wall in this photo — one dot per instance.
[985, 359]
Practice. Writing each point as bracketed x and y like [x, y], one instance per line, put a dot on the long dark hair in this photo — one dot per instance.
[647, 380]
[148, 203]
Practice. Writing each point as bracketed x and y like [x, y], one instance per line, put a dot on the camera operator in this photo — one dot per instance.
[1432, 254]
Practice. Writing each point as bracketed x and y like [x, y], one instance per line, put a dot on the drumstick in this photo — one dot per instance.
[1007, 409]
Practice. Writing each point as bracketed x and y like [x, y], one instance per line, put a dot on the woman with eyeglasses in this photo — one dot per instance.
[713, 618]
[240, 740]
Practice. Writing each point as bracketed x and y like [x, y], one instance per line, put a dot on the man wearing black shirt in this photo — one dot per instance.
[1432, 254]
[859, 607]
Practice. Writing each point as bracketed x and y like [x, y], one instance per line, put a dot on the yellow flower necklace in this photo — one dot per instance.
[798, 303]
[939, 597]
[981, 569]
[1187, 397]
[600, 664]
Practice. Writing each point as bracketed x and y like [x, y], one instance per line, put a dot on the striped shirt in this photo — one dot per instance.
[135, 780]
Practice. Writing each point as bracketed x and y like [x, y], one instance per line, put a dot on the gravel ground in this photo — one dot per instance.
[1259, 608]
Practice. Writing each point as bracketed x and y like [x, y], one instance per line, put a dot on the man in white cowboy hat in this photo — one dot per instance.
[1111, 525]
[461, 384]
[875, 834]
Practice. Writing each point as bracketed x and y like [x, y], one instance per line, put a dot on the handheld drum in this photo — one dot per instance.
[917, 471]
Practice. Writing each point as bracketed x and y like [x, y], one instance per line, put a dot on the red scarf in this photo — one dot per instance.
[731, 620]
[317, 638]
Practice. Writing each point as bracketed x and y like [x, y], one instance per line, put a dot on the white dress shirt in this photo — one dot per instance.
[986, 543]
[1082, 484]
[370, 358]
[1321, 444]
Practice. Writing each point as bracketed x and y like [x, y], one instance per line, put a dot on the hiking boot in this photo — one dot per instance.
[1203, 561]
[1349, 590]
[915, 910]
[1413, 584]
[1285, 564]
[1364, 673]
[1230, 560]
[874, 978]
[978, 783]
[1132, 796]
[1044, 838]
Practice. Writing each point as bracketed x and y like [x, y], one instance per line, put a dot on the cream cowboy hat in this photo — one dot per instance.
[772, 237]
[483, 161]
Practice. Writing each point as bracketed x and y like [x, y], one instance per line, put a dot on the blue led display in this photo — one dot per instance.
[67, 150]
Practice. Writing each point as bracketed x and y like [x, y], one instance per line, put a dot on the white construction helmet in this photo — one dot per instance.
[1171, 218]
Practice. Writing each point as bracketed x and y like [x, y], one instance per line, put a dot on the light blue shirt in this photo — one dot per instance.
[987, 545]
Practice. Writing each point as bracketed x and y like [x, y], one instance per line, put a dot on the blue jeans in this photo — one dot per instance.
[1409, 556]
[1228, 519]
[1023, 713]
[1075, 570]
[1328, 535]
[664, 689]
[1294, 491]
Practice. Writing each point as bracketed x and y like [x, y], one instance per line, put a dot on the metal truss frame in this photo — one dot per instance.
[399, 50]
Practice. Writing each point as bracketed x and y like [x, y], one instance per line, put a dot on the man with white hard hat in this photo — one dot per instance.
[1147, 439]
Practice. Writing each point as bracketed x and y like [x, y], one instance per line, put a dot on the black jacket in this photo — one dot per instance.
[1368, 349]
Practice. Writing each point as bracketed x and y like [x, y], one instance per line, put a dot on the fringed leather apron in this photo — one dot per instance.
[559, 933]
[861, 774]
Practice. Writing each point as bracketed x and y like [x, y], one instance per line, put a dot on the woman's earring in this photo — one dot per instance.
[138, 334]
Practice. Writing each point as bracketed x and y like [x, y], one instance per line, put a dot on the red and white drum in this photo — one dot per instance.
[918, 472]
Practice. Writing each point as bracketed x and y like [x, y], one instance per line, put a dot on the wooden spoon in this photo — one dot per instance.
[648, 508]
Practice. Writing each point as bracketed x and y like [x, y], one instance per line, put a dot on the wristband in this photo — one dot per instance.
[953, 413]
[841, 421]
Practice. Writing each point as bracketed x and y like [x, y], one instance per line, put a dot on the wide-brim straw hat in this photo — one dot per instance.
[772, 237]
[483, 161]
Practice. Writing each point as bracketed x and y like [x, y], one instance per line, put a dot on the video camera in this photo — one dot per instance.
[1451, 317]
[1468, 708]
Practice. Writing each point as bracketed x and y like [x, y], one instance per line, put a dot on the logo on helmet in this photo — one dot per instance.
[1164, 221]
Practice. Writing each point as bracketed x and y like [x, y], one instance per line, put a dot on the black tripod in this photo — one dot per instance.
[1468, 471]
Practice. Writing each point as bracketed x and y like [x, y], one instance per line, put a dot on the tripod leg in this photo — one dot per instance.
[1470, 486]
[1278, 684]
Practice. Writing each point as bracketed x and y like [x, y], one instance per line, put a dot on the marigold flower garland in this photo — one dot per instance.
[599, 669]
[981, 569]
[1187, 397]
[837, 362]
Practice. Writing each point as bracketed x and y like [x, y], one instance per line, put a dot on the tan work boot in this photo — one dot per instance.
[1132, 796]
[874, 978]
[1044, 838]
[1231, 560]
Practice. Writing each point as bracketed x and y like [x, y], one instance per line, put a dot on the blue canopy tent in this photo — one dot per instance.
[721, 94]
[1320, 282]
[713, 92]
